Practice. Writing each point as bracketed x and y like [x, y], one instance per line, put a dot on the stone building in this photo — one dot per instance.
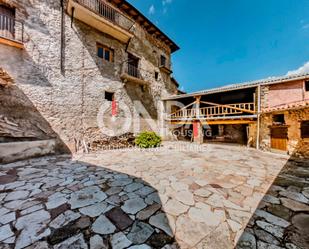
[271, 114]
[70, 58]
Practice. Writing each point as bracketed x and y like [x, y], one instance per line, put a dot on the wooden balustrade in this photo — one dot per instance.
[214, 111]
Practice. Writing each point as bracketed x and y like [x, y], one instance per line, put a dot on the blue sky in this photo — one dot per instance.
[229, 41]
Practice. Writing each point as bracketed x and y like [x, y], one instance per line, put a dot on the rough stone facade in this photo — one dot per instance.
[277, 99]
[295, 144]
[69, 96]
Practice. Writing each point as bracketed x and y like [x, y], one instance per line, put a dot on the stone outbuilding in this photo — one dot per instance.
[270, 114]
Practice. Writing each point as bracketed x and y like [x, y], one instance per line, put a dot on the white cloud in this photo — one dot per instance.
[151, 10]
[305, 26]
[165, 2]
[301, 70]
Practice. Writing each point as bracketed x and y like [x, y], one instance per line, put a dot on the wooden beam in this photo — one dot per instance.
[11, 43]
[228, 106]
[216, 122]
[227, 122]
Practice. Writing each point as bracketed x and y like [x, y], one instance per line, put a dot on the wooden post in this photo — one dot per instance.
[258, 118]
[197, 124]
[197, 106]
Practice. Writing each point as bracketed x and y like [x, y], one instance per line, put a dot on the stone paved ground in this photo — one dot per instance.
[282, 218]
[151, 199]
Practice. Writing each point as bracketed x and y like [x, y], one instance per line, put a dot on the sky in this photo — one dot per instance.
[232, 41]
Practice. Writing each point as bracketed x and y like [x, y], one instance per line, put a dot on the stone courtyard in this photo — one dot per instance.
[209, 196]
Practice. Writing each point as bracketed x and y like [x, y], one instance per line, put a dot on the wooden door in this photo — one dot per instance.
[279, 138]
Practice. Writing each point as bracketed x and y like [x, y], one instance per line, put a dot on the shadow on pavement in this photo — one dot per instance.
[282, 217]
[57, 202]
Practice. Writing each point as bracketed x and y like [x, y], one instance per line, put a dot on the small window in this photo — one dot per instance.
[105, 53]
[307, 86]
[109, 96]
[278, 119]
[163, 61]
[304, 127]
[156, 75]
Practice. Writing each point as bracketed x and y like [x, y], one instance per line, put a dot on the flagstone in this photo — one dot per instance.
[294, 205]
[202, 192]
[132, 206]
[119, 218]
[175, 207]
[64, 219]
[186, 197]
[86, 197]
[6, 218]
[5, 232]
[96, 242]
[140, 232]
[161, 221]
[272, 218]
[17, 195]
[73, 242]
[147, 212]
[120, 241]
[94, 210]
[103, 226]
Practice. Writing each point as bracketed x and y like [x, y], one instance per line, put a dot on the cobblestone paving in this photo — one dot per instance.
[282, 218]
[146, 199]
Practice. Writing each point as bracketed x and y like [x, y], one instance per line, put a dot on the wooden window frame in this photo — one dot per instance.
[277, 117]
[163, 58]
[105, 49]
[304, 134]
[108, 94]
[306, 86]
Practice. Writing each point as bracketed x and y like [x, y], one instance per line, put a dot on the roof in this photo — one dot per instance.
[290, 106]
[152, 29]
[244, 85]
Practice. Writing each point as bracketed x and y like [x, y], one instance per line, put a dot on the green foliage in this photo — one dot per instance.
[148, 139]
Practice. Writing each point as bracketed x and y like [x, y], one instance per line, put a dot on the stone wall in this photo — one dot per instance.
[235, 133]
[293, 118]
[69, 98]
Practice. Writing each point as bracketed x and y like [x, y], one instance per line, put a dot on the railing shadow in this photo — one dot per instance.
[281, 219]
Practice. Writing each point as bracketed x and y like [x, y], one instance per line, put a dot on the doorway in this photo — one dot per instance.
[279, 137]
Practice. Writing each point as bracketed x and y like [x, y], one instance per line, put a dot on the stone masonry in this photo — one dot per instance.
[69, 98]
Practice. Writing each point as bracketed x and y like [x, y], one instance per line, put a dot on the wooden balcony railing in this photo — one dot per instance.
[11, 29]
[101, 8]
[214, 111]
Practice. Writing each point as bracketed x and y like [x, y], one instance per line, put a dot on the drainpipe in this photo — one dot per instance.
[258, 118]
[62, 38]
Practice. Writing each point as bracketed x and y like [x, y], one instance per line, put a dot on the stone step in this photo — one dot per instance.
[14, 151]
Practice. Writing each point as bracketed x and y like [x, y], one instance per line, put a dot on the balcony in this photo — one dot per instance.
[214, 112]
[11, 31]
[131, 73]
[103, 17]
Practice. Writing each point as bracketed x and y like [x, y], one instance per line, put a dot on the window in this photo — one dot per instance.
[7, 22]
[278, 119]
[109, 96]
[307, 86]
[156, 75]
[304, 128]
[105, 53]
[163, 61]
[133, 62]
